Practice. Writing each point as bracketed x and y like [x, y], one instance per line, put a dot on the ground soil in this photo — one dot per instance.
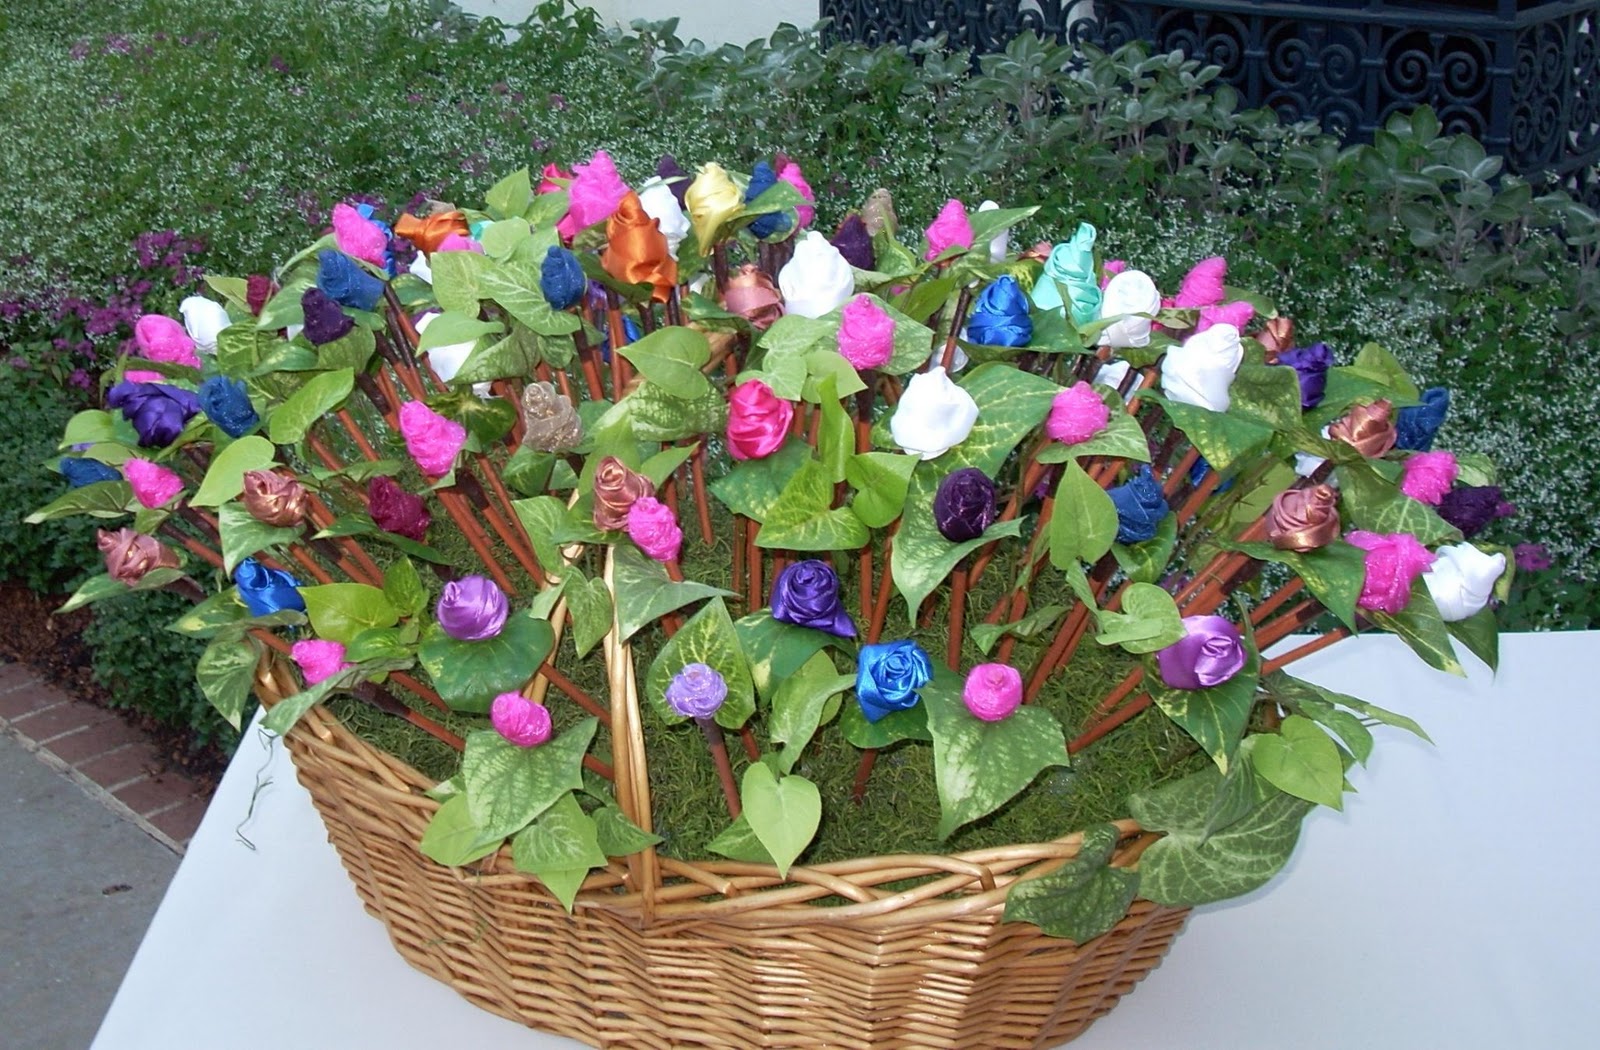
[32, 633]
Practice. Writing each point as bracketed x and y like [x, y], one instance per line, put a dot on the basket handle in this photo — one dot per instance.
[632, 783]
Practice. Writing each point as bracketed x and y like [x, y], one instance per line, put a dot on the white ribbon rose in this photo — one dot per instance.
[1000, 246]
[659, 202]
[203, 318]
[1462, 579]
[933, 416]
[1129, 293]
[420, 269]
[817, 279]
[1200, 371]
[446, 361]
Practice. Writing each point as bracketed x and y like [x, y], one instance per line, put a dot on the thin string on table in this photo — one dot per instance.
[268, 741]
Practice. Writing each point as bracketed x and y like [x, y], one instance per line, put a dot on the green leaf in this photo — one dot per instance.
[226, 672]
[1376, 504]
[507, 786]
[671, 358]
[738, 842]
[340, 611]
[99, 499]
[457, 278]
[644, 592]
[243, 535]
[1318, 704]
[354, 524]
[922, 557]
[1223, 438]
[515, 286]
[909, 724]
[469, 675]
[1480, 635]
[511, 195]
[1302, 760]
[89, 427]
[96, 588]
[804, 518]
[320, 395]
[1193, 864]
[774, 650]
[1215, 717]
[979, 766]
[836, 437]
[783, 814]
[589, 603]
[1011, 404]
[542, 518]
[1149, 621]
[1123, 438]
[1147, 562]
[1375, 363]
[1334, 573]
[881, 480]
[286, 712]
[453, 838]
[1420, 626]
[753, 487]
[661, 466]
[1268, 394]
[708, 638]
[617, 835]
[1083, 524]
[450, 328]
[1030, 626]
[560, 849]
[487, 419]
[1081, 899]
[211, 617]
[1388, 718]
[353, 350]
[799, 704]
[403, 587]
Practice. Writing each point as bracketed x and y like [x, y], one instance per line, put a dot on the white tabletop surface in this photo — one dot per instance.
[1452, 904]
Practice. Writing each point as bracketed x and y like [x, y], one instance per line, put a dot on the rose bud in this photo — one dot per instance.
[866, 334]
[789, 171]
[671, 173]
[1462, 580]
[157, 411]
[653, 528]
[964, 505]
[992, 691]
[636, 250]
[1366, 428]
[854, 242]
[758, 420]
[616, 488]
[1311, 364]
[1000, 315]
[712, 200]
[888, 676]
[806, 594]
[1394, 561]
[1133, 297]
[951, 229]
[762, 179]
[1210, 652]
[1070, 269]
[697, 691]
[432, 439]
[204, 319]
[1417, 426]
[1276, 337]
[162, 339]
[751, 294]
[1303, 519]
[259, 290]
[1427, 476]
[319, 659]
[129, 554]
[561, 277]
[1076, 415]
[877, 215]
[273, 499]
[595, 192]
[933, 415]
[1201, 371]
[225, 403]
[1204, 285]
[549, 421]
[395, 510]
[472, 609]
[1141, 506]
[153, 485]
[661, 204]
[519, 720]
[343, 280]
[816, 280]
[1470, 508]
[265, 591]
[427, 233]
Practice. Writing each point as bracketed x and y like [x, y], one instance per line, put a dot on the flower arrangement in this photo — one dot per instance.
[841, 495]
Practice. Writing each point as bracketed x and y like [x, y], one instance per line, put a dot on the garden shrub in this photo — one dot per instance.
[211, 135]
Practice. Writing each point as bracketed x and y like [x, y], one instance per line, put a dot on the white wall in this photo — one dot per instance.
[714, 21]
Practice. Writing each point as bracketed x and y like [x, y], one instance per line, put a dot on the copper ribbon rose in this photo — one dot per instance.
[1369, 429]
[751, 294]
[273, 499]
[549, 421]
[1277, 337]
[615, 490]
[1304, 519]
[636, 249]
[428, 232]
[129, 554]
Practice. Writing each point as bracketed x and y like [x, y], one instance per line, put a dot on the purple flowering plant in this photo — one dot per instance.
[536, 487]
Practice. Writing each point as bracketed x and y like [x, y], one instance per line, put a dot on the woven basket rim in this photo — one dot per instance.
[734, 892]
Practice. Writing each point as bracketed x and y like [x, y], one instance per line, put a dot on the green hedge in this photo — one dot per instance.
[217, 133]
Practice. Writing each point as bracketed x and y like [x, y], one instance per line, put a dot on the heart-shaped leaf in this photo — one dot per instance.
[784, 814]
[507, 786]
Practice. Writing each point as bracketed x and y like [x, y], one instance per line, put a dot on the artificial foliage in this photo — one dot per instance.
[902, 540]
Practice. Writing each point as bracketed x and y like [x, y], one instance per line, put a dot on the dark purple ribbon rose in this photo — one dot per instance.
[1471, 508]
[855, 243]
[472, 609]
[806, 594]
[395, 510]
[157, 411]
[1210, 652]
[1311, 363]
[324, 320]
[964, 505]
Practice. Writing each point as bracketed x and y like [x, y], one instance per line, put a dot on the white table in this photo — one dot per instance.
[1452, 904]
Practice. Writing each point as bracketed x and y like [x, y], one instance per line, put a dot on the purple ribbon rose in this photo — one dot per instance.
[1210, 652]
[472, 609]
[697, 691]
[806, 594]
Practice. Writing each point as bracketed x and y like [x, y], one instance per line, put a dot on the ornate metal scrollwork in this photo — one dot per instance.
[1527, 82]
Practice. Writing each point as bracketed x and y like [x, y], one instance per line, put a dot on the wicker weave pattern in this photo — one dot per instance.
[730, 955]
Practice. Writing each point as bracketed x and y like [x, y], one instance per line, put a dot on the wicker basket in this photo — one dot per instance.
[663, 953]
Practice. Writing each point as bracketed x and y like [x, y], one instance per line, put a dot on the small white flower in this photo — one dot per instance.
[817, 279]
[933, 416]
[1462, 579]
[658, 202]
[203, 319]
[1000, 246]
[446, 361]
[1129, 293]
[1201, 370]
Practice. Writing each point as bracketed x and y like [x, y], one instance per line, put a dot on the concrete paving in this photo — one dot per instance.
[79, 883]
